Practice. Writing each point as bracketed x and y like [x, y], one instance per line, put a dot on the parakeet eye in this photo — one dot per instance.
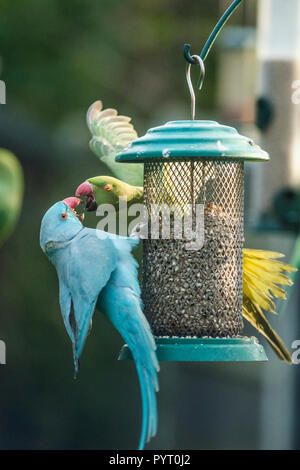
[107, 187]
[64, 216]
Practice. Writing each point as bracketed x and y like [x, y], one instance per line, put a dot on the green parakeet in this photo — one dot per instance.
[108, 190]
[11, 192]
[262, 272]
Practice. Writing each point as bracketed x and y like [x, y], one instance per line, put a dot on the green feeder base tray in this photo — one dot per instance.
[242, 349]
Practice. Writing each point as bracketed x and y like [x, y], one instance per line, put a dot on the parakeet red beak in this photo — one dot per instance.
[86, 190]
[72, 203]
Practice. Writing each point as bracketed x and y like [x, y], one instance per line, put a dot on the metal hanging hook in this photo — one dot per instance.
[213, 35]
[196, 60]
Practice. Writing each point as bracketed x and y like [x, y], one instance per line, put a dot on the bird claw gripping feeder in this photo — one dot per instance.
[193, 295]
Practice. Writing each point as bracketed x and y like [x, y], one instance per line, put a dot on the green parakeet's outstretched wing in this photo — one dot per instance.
[112, 133]
[11, 192]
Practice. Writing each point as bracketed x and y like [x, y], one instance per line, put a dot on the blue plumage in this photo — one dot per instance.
[97, 269]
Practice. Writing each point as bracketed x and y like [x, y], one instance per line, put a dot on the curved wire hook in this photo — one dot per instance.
[213, 35]
[196, 60]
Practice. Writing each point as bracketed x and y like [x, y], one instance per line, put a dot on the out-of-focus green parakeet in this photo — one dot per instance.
[263, 274]
[11, 192]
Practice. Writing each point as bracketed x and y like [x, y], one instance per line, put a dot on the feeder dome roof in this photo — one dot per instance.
[180, 140]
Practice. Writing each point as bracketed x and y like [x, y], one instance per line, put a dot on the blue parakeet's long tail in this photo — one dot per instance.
[120, 300]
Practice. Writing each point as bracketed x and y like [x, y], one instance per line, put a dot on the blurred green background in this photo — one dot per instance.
[56, 58]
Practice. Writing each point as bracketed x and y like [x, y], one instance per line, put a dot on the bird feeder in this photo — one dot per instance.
[193, 297]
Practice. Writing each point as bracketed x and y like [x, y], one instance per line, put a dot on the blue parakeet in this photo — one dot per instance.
[97, 270]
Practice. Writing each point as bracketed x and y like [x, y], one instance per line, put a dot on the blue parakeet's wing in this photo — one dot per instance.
[84, 267]
[111, 133]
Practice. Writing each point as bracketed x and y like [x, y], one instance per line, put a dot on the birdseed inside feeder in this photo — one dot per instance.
[193, 297]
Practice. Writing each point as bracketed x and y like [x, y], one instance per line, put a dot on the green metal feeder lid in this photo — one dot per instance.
[178, 140]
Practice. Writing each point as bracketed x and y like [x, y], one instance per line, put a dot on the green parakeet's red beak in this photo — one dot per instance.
[86, 190]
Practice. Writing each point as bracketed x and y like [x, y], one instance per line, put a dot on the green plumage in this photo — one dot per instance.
[117, 189]
[11, 192]
[111, 133]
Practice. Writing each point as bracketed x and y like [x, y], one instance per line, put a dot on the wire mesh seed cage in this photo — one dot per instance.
[196, 292]
[193, 297]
